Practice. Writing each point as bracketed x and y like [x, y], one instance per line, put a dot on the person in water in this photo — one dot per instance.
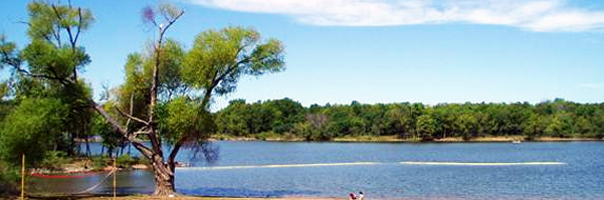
[361, 196]
[351, 196]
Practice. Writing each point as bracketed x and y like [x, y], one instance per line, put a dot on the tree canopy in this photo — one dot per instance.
[558, 118]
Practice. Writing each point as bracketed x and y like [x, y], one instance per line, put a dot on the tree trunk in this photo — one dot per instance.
[71, 145]
[164, 178]
[110, 152]
[88, 148]
[163, 187]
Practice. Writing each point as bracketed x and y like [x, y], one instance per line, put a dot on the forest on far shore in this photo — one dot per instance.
[288, 118]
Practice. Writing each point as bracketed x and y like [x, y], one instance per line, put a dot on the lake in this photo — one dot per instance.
[558, 170]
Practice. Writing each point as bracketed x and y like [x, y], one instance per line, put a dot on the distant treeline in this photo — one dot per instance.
[288, 118]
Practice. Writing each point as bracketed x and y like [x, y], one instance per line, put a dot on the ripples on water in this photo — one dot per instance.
[418, 171]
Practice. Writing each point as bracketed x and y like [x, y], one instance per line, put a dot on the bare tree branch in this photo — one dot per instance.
[79, 25]
[41, 76]
[154, 136]
[132, 117]
[131, 111]
[144, 130]
[57, 33]
[176, 148]
[138, 144]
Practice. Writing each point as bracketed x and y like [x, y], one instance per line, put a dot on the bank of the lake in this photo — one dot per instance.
[367, 138]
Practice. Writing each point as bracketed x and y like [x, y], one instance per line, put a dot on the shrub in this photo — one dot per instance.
[9, 179]
[126, 161]
[266, 135]
[54, 160]
[98, 162]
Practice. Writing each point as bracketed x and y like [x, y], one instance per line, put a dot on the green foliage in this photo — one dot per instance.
[426, 127]
[45, 58]
[55, 160]
[126, 161]
[33, 123]
[183, 117]
[557, 118]
[99, 162]
[6, 108]
[47, 53]
[467, 126]
[555, 127]
[111, 139]
[266, 135]
[214, 64]
[9, 54]
[48, 65]
[230, 53]
[310, 132]
[9, 179]
[233, 119]
[45, 18]
[535, 126]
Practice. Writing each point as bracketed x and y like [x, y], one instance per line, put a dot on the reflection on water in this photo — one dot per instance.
[434, 171]
[128, 182]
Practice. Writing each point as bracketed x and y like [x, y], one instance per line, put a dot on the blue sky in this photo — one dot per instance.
[375, 51]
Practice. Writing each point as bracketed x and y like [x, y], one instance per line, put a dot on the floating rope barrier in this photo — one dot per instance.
[481, 164]
[277, 166]
[371, 163]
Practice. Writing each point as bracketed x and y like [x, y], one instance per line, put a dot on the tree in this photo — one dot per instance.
[233, 119]
[168, 90]
[555, 127]
[288, 112]
[426, 127]
[181, 117]
[535, 126]
[34, 123]
[466, 124]
[395, 120]
[314, 128]
[53, 60]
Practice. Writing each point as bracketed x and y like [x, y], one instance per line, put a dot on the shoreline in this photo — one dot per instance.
[395, 139]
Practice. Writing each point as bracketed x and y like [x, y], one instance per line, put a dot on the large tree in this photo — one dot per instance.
[168, 89]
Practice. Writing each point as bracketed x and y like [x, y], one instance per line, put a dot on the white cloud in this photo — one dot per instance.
[533, 15]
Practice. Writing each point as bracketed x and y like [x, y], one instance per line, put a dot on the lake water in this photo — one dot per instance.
[557, 170]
